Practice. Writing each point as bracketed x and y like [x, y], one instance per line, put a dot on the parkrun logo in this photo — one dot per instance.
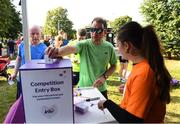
[49, 111]
[63, 73]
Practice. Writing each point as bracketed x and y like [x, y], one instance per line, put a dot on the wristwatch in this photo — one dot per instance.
[105, 76]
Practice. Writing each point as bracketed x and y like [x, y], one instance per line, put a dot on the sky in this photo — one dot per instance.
[82, 12]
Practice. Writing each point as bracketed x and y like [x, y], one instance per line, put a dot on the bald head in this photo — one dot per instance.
[35, 34]
[35, 29]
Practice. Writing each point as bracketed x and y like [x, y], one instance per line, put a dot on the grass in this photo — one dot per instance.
[7, 97]
[8, 93]
[173, 109]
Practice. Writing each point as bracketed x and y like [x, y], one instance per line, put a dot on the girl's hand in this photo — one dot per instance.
[101, 104]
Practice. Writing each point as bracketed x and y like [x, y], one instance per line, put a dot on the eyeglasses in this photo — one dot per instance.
[97, 30]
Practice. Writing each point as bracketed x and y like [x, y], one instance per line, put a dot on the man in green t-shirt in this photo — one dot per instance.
[97, 57]
[81, 35]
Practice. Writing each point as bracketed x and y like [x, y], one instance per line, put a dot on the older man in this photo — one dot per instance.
[37, 52]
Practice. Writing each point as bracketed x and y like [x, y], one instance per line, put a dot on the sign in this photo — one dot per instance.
[47, 91]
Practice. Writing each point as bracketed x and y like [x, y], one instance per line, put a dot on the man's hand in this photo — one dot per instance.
[99, 81]
[52, 52]
[12, 77]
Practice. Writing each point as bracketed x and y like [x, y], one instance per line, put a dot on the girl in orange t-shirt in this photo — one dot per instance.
[147, 90]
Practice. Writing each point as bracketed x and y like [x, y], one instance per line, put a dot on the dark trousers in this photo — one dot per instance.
[19, 89]
[75, 78]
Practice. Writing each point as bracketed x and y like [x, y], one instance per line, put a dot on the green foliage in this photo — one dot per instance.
[118, 22]
[164, 15]
[57, 19]
[10, 21]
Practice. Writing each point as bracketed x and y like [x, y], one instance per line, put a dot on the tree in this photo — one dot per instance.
[4, 12]
[58, 18]
[164, 15]
[10, 21]
[15, 27]
[118, 22]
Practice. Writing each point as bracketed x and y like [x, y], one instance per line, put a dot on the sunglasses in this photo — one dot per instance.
[97, 30]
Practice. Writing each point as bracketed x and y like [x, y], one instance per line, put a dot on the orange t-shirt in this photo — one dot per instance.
[141, 94]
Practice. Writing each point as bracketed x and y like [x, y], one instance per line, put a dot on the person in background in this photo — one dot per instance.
[58, 41]
[64, 35]
[11, 47]
[19, 40]
[81, 35]
[123, 68]
[37, 49]
[51, 40]
[46, 40]
[97, 57]
[1, 48]
[147, 89]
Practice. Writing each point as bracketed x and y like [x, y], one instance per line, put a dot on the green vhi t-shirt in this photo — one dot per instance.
[94, 60]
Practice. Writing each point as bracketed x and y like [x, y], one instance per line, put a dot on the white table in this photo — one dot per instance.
[93, 115]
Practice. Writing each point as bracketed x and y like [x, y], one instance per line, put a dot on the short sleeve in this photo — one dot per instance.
[113, 59]
[79, 46]
[142, 95]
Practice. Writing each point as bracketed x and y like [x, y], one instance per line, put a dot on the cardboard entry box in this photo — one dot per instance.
[47, 91]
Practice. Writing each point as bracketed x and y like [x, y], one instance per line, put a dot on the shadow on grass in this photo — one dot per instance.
[114, 93]
[175, 87]
[175, 99]
[171, 114]
[113, 88]
[113, 83]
